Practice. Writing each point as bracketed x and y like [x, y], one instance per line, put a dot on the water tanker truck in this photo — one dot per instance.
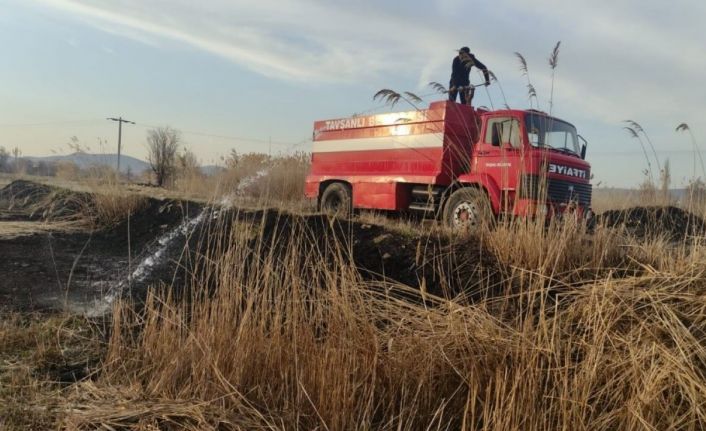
[464, 165]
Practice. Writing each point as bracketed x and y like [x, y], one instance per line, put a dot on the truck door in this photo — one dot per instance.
[499, 154]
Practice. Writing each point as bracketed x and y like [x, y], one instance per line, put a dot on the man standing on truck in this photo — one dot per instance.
[460, 72]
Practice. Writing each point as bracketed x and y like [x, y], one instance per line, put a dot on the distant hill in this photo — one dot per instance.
[85, 160]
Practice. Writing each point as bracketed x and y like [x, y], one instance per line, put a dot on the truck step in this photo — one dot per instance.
[423, 193]
[422, 207]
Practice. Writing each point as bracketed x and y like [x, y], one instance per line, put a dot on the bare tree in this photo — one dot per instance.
[187, 163]
[188, 167]
[4, 157]
[163, 145]
[16, 152]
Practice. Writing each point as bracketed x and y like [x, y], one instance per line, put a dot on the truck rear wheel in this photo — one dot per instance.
[336, 200]
[469, 209]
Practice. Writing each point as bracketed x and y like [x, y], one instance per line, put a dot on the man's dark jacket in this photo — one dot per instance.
[460, 71]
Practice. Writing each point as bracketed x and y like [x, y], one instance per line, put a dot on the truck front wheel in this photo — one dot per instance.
[469, 209]
[336, 200]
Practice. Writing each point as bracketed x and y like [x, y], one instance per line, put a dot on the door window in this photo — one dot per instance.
[503, 131]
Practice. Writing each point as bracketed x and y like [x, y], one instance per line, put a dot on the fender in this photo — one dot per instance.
[488, 184]
[314, 185]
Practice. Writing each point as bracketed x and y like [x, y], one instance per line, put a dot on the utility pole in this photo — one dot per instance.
[120, 133]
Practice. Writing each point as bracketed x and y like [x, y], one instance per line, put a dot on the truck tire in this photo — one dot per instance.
[336, 200]
[468, 209]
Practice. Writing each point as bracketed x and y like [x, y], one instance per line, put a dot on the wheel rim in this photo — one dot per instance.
[466, 214]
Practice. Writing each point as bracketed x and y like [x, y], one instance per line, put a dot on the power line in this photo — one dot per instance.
[633, 152]
[289, 145]
[188, 132]
[52, 123]
[227, 137]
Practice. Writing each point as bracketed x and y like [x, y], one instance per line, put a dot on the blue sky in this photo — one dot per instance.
[261, 70]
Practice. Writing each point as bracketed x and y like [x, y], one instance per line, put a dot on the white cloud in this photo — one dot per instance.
[293, 40]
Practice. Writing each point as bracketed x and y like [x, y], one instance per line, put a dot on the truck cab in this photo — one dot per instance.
[461, 164]
[536, 161]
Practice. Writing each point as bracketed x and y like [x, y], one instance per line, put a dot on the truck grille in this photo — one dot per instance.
[557, 191]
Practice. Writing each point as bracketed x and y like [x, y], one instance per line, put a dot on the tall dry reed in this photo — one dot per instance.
[279, 330]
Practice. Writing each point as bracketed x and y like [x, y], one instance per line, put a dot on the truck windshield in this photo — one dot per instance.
[545, 131]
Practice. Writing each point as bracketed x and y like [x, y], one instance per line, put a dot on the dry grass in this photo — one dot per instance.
[105, 205]
[14, 229]
[581, 331]
[584, 332]
[251, 177]
[94, 201]
[38, 356]
[112, 204]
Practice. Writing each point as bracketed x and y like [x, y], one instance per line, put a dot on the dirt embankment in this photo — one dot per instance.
[28, 201]
[670, 222]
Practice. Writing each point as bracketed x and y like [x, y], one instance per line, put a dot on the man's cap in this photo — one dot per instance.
[465, 49]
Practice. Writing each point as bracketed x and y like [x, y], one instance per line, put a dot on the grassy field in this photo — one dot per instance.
[517, 327]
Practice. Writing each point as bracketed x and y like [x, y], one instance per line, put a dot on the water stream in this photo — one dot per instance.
[145, 268]
[158, 258]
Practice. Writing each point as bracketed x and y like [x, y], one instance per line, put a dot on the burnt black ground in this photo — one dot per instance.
[674, 223]
[56, 270]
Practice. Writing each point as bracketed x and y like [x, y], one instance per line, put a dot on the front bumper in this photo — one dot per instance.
[552, 210]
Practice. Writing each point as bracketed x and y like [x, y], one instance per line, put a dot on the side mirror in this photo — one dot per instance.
[583, 147]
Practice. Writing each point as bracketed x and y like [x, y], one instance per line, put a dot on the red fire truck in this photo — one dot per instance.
[463, 164]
